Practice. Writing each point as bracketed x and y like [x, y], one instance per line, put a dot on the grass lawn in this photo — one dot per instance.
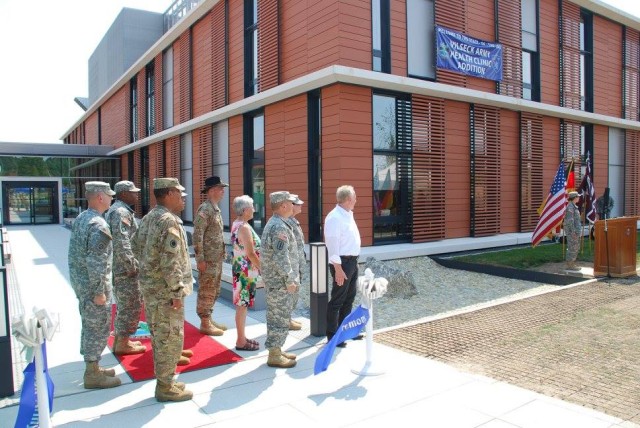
[527, 257]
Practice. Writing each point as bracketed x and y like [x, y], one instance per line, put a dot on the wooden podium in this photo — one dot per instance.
[622, 238]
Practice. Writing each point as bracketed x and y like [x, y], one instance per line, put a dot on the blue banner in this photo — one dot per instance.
[463, 54]
[350, 328]
[28, 409]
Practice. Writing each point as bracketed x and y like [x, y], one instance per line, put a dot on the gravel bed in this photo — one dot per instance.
[439, 289]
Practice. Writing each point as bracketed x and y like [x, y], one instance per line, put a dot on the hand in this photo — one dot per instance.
[291, 288]
[340, 275]
[100, 299]
[202, 266]
[176, 303]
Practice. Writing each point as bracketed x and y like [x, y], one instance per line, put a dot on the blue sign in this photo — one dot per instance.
[463, 54]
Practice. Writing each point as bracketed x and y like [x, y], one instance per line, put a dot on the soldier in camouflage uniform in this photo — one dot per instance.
[281, 274]
[572, 229]
[160, 245]
[208, 244]
[90, 259]
[122, 222]
[297, 232]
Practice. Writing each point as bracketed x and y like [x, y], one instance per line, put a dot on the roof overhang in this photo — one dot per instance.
[54, 150]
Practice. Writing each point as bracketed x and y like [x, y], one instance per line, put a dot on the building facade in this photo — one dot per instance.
[306, 96]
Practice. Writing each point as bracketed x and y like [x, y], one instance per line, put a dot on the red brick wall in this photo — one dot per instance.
[457, 161]
[607, 67]
[91, 129]
[115, 119]
[347, 150]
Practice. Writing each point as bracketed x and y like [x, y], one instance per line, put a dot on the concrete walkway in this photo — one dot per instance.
[413, 390]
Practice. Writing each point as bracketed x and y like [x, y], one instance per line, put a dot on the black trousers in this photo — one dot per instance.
[342, 297]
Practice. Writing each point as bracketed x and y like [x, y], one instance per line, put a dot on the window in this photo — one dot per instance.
[616, 180]
[167, 89]
[151, 100]
[250, 47]
[391, 167]
[381, 34]
[530, 56]
[586, 61]
[254, 171]
[133, 112]
[144, 172]
[186, 173]
[220, 150]
[420, 38]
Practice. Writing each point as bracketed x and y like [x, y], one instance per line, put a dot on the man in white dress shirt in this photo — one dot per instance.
[342, 237]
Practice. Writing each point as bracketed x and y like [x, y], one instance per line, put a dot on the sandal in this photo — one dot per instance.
[248, 346]
[255, 342]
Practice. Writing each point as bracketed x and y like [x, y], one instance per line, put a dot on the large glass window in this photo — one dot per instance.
[586, 61]
[167, 88]
[530, 56]
[391, 167]
[220, 150]
[250, 47]
[381, 35]
[133, 112]
[254, 171]
[616, 180]
[421, 38]
[151, 100]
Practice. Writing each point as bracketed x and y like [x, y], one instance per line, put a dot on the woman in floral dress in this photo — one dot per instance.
[245, 268]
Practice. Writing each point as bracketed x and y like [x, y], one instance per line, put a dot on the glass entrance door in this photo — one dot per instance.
[30, 202]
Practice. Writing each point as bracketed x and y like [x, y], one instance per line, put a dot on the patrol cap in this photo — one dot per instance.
[125, 186]
[277, 197]
[297, 201]
[167, 183]
[98, 186]
[573, 195]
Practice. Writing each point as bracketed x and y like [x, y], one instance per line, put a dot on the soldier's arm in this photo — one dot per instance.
[120, 223]
[200, 223]
[98, 260]
[170, 263]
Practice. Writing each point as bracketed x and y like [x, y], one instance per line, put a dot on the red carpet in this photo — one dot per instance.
[207, 352]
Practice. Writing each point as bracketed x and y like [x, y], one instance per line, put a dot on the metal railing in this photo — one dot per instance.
[177, 11]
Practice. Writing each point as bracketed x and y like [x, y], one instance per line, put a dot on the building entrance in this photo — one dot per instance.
[29, 202]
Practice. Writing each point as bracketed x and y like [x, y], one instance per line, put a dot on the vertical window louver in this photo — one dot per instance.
[570, 55]
[531, 167]
[451, 14]
[509, 34]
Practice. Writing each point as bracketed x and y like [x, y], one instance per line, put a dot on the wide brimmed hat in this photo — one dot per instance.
[213, 182]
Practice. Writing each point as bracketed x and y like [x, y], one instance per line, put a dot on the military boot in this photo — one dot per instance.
[95, 379]
[171, 392]
[107, 372]
[294, 325]
[221, 326]
[187, 353]
[207, 327]
[289, 355]
[183, 361]
[276, 359]
[123, 346]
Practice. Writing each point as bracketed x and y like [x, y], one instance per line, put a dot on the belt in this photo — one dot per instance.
[349, 257]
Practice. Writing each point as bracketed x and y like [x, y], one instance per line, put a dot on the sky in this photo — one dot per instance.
[45, 47]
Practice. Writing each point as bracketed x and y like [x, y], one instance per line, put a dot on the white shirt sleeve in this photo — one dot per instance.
[332, 239]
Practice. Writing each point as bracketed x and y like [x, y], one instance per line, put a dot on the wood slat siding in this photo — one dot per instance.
[202, 162]
[202, 68]
[428, 168]
[182, 78]
[137, 179]
[268, 45]
[236, 180]
[354, 33]
[172, 156]
[607, 67]
[398, 37]
[549, 16]
[485, 171]
[116, 123]
[236, 50]
[632, 174]
[156, 167]
[570, 136]
[509, 147]
[481, 25]
[457, 160]
[531, 170]
[631, 72]
[509, 27]
[157, 69]
[600, 158]
[451, 14]
[142, 103]
[347, 150]
[219, 57]
[570, 55]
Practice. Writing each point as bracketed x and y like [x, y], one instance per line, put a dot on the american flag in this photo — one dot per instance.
[588, 197]
[553, 211]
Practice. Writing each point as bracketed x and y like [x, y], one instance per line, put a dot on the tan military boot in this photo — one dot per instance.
[187, 353]
[95, 379]
[107, 372]
[294, 325]
[123, 346]
[180, 385]
[276, 359]
[183, 361]
[171, 392]
[221, 326]
[207, 327]
[289, 355]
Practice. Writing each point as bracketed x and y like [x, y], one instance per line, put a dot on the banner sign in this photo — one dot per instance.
[463, 54]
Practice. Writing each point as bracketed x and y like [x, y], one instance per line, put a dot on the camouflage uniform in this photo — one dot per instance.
[90, 258]
[160, 245]
[302, 260]
[208, 244]
[572, 229]
[123, 226]
[279, 267]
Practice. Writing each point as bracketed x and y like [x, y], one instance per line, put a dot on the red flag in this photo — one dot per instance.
[553, 211]
[570, 185]
[588, 197]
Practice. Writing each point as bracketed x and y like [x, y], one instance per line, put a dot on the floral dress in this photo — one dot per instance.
[245, 276]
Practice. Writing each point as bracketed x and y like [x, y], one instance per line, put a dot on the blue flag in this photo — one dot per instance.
[27, 412]
[350, 328]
